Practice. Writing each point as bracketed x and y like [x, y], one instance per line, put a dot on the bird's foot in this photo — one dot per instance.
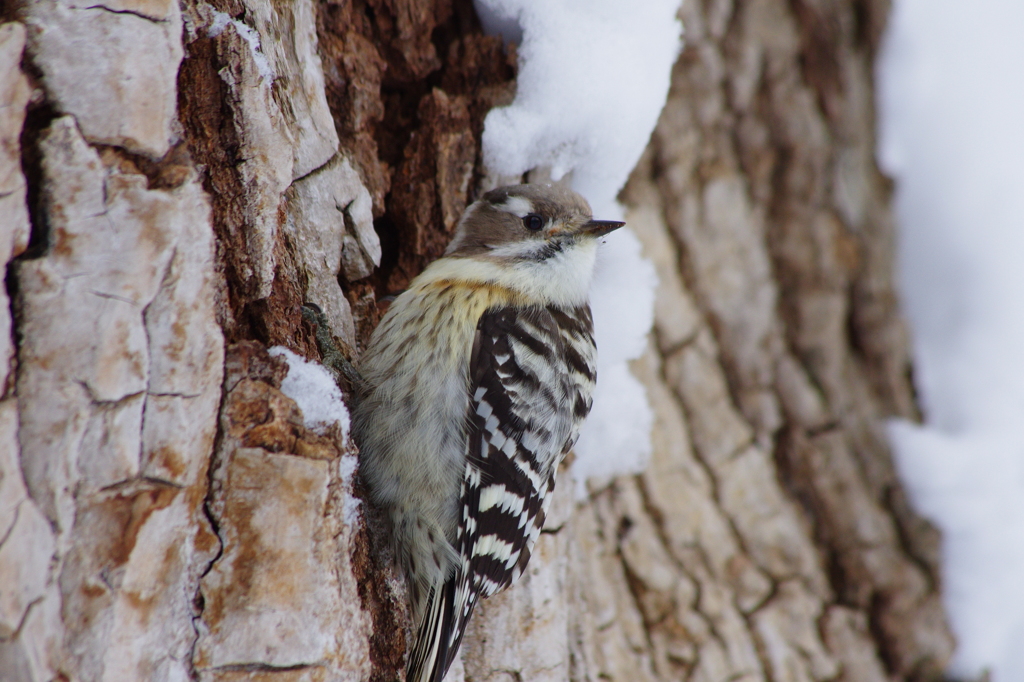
[331, 356]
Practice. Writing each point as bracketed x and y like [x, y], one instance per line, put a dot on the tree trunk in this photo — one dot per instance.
[176, 181]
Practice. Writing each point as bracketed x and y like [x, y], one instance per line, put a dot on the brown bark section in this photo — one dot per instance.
[409, 86]
[166, 512]
[212, 138]
[795, 120]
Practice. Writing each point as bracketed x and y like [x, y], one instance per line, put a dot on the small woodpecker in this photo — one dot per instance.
[475, 386]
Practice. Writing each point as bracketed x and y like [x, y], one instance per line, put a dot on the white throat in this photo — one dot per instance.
[561, 279]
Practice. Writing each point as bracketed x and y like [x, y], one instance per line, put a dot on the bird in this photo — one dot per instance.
[474, 387]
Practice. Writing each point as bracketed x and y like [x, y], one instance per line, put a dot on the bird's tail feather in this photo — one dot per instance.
[441, 628]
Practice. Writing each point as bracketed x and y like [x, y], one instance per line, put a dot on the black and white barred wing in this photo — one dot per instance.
[531, 378]
[531, 389]
[532, 373]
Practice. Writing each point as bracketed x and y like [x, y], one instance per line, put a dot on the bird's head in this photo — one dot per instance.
[532, 223]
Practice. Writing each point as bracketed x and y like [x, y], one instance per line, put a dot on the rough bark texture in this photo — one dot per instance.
[175, 180]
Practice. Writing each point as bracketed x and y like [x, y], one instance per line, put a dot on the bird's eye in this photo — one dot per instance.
[533, 222]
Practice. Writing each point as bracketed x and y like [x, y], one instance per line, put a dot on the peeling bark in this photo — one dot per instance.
[178, 179]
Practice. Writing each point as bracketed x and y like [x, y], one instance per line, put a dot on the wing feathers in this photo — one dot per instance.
[532, 372]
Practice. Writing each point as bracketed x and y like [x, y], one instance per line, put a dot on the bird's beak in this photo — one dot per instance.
[599, 228]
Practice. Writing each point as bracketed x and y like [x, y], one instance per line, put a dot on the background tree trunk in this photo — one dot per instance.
[176, 180]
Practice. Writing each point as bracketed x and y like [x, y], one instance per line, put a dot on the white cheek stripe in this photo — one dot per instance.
[519, 206]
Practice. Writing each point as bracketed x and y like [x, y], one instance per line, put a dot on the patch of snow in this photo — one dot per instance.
[347, 466]
[316, 393]
[616, 438]
[247, 33]
[314, 390]
[593, 77]
[951, 101]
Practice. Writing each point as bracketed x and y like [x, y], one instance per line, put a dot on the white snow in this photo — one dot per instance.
[347, 465]
[247, 33]
[314, 390]
[951, 85]
[593, 77]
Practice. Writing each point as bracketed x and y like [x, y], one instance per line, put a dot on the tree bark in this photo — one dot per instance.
[175, 181]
